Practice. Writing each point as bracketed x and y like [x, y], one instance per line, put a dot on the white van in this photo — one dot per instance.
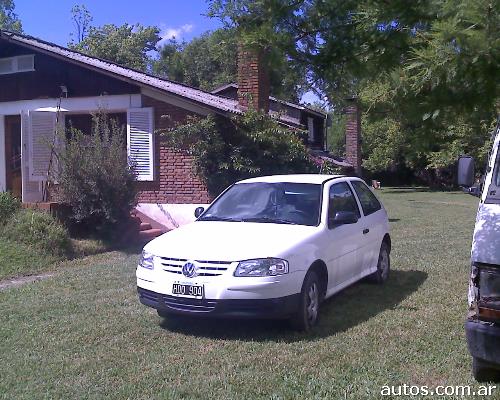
[483, 319]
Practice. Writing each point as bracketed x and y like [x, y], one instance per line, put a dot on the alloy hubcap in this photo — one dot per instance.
[312, 303]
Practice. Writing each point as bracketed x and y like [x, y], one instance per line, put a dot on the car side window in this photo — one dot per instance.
[342, 199]
[368, 201]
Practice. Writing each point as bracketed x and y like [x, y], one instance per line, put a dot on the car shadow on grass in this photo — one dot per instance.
[352, 306]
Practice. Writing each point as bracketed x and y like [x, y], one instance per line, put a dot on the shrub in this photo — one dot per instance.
[95, 177]
[40, 230]
[8, 206]
[250, 145]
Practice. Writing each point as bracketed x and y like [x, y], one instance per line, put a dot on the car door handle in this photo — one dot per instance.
[365, 231]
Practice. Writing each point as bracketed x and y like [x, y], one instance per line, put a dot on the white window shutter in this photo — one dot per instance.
[140, 142]
[41, 139]
[31, 191]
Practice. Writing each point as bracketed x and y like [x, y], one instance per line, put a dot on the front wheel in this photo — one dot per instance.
[483, 372]
[310, 297]
[383, 265]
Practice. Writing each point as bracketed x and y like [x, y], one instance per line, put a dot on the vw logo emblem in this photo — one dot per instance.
[189, 269]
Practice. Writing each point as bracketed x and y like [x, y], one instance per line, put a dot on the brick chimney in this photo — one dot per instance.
[353, 135]
[253, 79]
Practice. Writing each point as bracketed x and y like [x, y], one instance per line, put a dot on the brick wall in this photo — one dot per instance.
[175, 179]
[353, 135]
[253, 79]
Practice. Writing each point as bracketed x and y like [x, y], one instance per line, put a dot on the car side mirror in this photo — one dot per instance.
[465, 171]
[343, 218]
[198, 211]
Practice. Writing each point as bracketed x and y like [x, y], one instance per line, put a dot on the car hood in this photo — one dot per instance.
[229, 241]
[486, 242]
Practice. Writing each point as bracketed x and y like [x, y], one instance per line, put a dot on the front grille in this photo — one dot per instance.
[205, 267]
[186, 304]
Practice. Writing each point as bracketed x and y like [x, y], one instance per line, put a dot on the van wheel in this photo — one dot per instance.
[310, 298]
[483, 372]
[383, 265]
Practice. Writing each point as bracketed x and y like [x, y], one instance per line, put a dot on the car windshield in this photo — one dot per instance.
[282, 203]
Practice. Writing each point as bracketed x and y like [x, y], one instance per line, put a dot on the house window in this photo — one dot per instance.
[16, 64]
[83, 122]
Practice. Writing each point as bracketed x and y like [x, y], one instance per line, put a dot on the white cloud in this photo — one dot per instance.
[168, 33]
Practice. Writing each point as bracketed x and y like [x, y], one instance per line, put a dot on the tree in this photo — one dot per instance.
[253, 144]
[426, 71]
[127, 45]
[338, 41]
[8, 18]
[210, 61]
[82, 19]
[443, 100]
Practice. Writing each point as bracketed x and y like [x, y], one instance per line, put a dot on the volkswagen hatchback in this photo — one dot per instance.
[274, 247]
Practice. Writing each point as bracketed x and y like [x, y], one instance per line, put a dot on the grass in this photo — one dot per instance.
[83, 334]
[18, 259]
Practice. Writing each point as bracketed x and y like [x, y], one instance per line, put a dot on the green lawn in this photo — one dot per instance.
[19, 259]
[83, 334]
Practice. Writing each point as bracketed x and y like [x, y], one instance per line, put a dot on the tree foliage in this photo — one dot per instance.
[442, 101]
[249, 145]
[426, 71]
[8, 18]
[210, 61]
[127, 45]
[82, 19]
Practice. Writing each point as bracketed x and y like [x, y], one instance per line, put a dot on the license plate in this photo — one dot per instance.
[180, 289]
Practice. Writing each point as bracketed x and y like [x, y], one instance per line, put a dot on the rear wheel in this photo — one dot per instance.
[310, 298]
[483, 372]
[383, 265]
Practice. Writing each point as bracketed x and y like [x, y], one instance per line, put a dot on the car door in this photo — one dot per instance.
[372, 226]
[343, 240]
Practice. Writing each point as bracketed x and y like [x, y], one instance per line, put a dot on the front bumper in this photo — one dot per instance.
[281, 307]
[483, 340]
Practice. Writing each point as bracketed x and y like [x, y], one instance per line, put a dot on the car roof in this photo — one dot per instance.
[298, 178]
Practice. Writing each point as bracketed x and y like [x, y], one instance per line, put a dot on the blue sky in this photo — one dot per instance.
[51, 19]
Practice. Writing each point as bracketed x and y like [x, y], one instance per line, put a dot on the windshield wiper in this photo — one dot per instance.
[269, 220]
[215, 218]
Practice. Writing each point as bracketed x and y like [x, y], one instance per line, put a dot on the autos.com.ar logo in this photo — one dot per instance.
[189, 270]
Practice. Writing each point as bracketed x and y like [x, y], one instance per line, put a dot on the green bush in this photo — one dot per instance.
[95, 178]
[8, 206]
[40, 230]
[252, 144]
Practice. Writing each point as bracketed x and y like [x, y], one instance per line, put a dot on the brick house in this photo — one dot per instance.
[43, 84]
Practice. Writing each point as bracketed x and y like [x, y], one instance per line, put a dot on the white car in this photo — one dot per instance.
[274, 246]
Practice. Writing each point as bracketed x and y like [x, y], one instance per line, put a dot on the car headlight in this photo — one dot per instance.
[146, 260]
[262, 267]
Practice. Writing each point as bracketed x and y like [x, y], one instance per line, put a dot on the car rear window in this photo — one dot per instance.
[369, 202]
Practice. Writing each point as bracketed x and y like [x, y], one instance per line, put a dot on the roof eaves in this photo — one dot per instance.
[128, 74]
